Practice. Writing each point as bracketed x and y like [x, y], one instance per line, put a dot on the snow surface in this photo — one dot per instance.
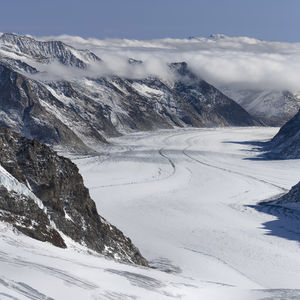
[187, 199]
[12, 184]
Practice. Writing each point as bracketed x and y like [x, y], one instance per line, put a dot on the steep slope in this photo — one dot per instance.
[292, 198]
[47, 188]
[79, 112]
[21, 111]
[213, 107]
[286, 143]
[46, 52]
[273, 108]
[21, 208]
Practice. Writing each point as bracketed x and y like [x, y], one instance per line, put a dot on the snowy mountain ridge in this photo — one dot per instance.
[45, 52]
[273, 108]
[59, 95]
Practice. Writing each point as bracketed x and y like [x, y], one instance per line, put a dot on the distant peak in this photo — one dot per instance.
[180, 67]
[217, 36]
[133, 61]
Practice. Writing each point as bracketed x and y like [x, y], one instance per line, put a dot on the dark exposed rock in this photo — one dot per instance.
[292, 197]
[56, 181]
[286, 143]
[21, 111]
[210, 107]
[25, 215]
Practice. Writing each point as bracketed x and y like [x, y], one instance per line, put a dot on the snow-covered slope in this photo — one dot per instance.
[26, 213]
[274, 108]
[193, 193]
[27, 48]
[43, 196]
[67, 97]
[260, 75]
[12, 184]
[188, 198]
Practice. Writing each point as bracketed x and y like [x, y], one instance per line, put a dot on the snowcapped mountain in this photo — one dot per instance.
[286, 143]
[61, 96]
[24, 47]
[273, 108]
[43, 196]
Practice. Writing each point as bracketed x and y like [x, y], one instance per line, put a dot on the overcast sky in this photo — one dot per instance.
[139, 19]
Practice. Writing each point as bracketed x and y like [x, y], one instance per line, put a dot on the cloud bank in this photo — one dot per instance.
[239, 62]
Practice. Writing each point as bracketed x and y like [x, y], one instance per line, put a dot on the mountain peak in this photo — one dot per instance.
[47, 51]
[217, 36]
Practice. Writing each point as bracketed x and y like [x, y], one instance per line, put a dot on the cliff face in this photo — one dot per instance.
[27, 217]
[21, 111]
[286, 143]
[55, 180]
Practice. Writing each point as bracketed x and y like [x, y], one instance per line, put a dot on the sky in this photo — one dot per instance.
[139, 19]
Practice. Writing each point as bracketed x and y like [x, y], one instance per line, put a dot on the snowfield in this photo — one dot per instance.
[188, 199]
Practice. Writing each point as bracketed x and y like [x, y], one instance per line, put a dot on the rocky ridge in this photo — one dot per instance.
[43, 196]
[78, 113]
[286, 143]
[273, 108]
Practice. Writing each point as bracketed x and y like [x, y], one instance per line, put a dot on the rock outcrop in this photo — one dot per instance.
[286, 143]
[292, 197]
[66, 203]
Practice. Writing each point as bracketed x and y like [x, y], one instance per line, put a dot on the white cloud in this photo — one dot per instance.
[241, 61]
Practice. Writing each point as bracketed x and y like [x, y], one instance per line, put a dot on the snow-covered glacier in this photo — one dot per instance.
[189, 199]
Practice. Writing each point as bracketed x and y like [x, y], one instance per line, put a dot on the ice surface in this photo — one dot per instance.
[187, 199]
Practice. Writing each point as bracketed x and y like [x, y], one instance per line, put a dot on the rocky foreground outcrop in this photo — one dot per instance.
[43, 196]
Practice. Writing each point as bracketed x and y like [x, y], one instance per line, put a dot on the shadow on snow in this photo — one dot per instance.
[287, 222]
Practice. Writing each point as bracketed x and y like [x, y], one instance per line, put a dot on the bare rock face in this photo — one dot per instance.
[208, 106]
[292, 197]
[21, 111]
[286, 143]
[25, 215]
[55, 180]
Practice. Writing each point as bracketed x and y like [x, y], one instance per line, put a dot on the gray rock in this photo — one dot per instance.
[286, 143]
[56, 181]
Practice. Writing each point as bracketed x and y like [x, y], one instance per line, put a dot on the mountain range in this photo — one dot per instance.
[48, 92]
[52, 93]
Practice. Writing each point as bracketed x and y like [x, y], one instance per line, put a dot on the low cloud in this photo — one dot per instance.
[239, 62]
